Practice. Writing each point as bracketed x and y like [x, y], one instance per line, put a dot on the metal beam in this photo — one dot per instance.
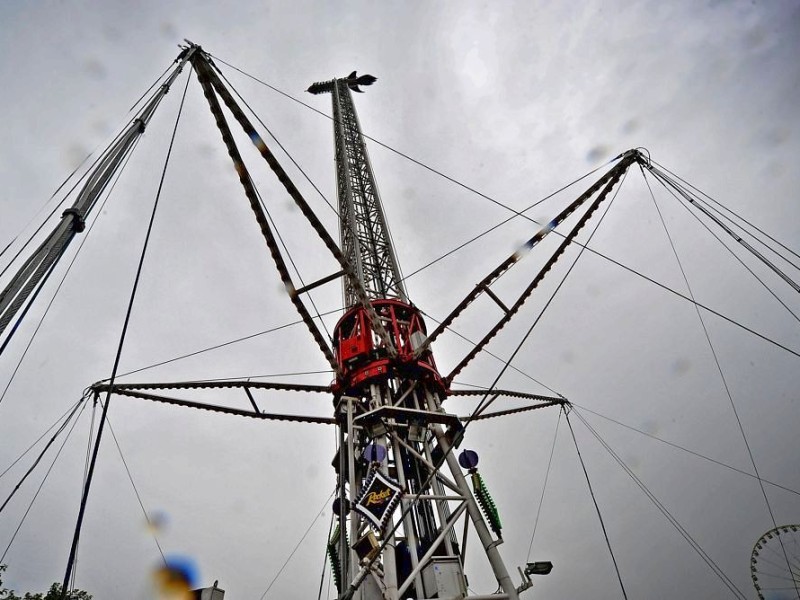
[30, 275]
[614, 174]
[226, 409]
[206, 77]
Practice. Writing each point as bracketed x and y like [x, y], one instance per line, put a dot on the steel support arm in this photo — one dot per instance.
[617, 173]
[102, 386]
[201, 65]
[32, 272]
[507, 393]
[225, 409]
[205, 76]
[614, 174]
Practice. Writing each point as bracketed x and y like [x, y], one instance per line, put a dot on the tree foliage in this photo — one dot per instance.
[54, 593]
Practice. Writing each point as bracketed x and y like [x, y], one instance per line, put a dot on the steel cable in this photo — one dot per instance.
[485, 403]
[596, 507]
[544, 486]
[63, 278]
[517, 213]
[280, 145]
[85, 474]
[747, 222]
[38, 459]
[723, 244]
[82, 509]
[150, 525]
[719, 368]
[223, 344]
[493, 355]
[739, 239]
[664, 511]
[683, 448]
[75, 185]
[41, 485]
[302, 539]
[39, 439]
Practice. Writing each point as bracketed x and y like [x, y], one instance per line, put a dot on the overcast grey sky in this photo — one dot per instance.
[514, 99]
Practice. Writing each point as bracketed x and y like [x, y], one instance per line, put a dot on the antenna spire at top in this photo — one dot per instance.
[353, 81]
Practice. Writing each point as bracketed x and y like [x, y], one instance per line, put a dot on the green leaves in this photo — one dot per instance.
[54, 593]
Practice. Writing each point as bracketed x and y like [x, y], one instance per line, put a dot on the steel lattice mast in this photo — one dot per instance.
[364, 234]
[394, 434]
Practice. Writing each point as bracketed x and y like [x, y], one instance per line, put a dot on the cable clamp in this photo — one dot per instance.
[77, 219]
[643, 157]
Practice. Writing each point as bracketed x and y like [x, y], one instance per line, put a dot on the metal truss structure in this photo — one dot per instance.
[28, 280]
[404, 504]
[364, 234]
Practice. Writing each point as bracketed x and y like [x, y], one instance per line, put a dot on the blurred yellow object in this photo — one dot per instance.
[171, 584]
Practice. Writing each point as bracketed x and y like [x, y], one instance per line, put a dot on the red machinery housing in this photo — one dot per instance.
[362, 355]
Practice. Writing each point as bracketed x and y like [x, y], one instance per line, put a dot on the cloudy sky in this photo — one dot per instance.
[513, 99]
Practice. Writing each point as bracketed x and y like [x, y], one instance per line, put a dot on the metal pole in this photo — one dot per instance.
[488, 543]
[389, 559]
[408, 524]
[147, 113]
[351, 465]
[370, 180]
[84, 497]
[343, 549]
[348, 228]
[29, 277]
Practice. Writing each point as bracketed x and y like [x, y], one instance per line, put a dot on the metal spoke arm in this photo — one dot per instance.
[511, 411]
[543, 402]
[205, 75]
[202, 64]
[254, 414]
[508, 394]
[616, 174]
[611, 177]
[102, 386]
[32, 272]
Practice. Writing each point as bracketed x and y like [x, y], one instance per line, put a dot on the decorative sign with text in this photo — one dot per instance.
[378, 499]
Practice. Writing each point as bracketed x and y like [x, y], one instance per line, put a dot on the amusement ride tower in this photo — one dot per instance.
[404, 506]
[395, 436]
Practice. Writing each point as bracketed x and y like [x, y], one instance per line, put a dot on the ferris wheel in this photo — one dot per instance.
[775, 563]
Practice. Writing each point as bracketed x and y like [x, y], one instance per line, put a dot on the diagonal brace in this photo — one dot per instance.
[613, 175]
[201, 63]
[617, 173]
[203, 75]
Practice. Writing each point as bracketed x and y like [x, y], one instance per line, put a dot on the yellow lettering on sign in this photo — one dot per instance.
[378, 497]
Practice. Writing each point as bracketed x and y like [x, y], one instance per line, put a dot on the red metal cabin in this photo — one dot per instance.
[362, 355]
